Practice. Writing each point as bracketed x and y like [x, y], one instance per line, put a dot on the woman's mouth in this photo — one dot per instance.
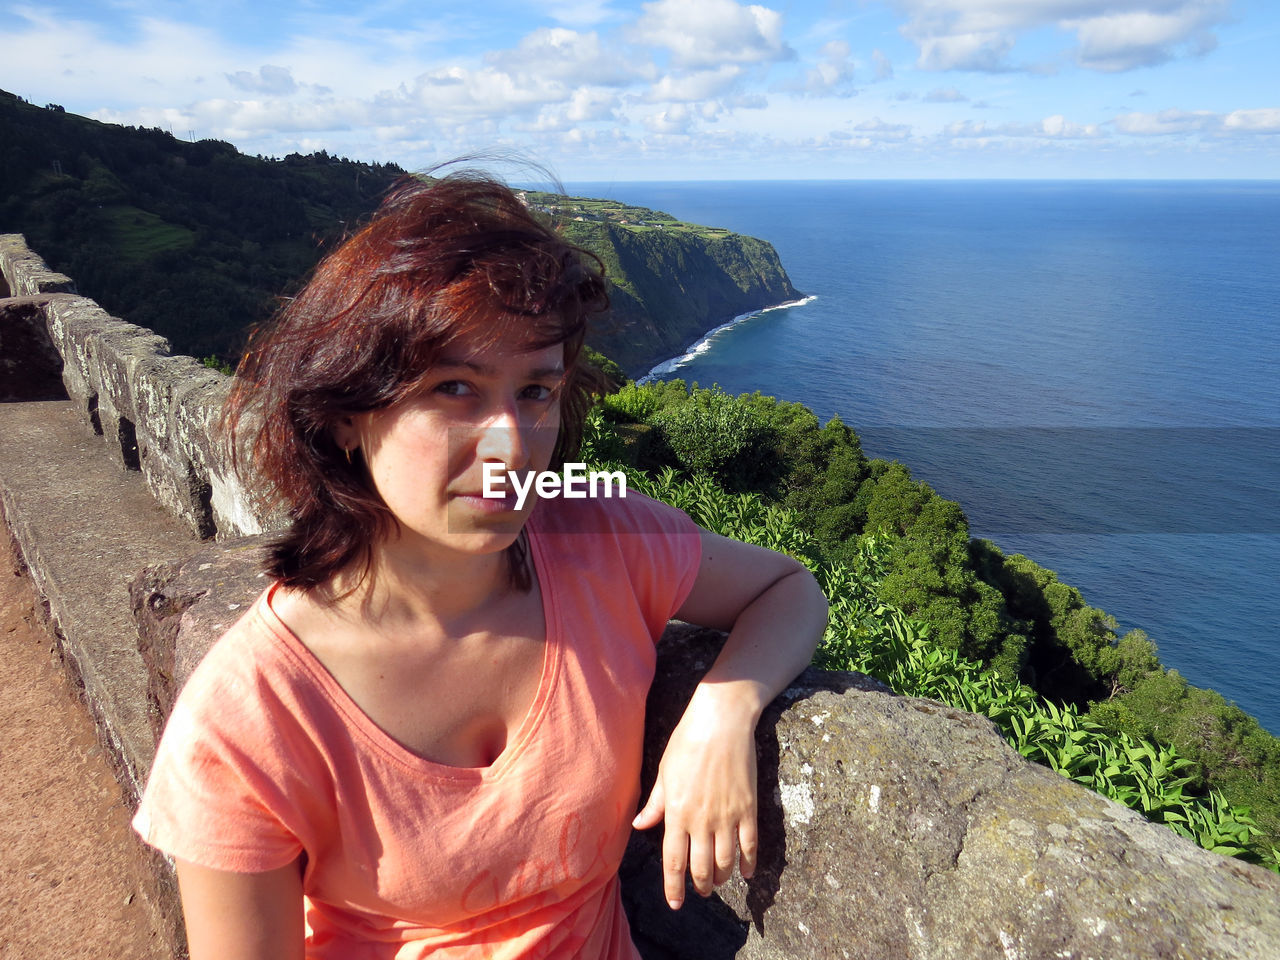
[479, 503]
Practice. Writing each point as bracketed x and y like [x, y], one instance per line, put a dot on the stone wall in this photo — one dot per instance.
[156, 412]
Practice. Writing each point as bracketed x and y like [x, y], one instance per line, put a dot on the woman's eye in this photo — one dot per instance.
[537, 391]
[453, 388]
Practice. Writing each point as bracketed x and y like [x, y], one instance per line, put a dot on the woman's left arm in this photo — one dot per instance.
[775, 613]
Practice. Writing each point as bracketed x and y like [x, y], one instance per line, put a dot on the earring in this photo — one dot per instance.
[347, 451]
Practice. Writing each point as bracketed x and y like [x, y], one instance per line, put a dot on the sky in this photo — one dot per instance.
[616, 90]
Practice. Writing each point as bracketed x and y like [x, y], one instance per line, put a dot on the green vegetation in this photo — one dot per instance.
[567, 210]
[981, 617]
[867, 634]
[194, 240]
[217, 363]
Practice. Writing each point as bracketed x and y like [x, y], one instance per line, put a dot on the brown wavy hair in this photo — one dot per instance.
[441, 260]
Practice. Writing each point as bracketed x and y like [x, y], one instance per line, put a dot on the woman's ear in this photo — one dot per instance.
[345, 433]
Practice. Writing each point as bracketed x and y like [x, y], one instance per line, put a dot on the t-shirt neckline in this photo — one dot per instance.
[376, 737]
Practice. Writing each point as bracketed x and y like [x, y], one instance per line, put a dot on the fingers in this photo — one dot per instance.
[748, 846]
[726, 851]
[708, 858]
[675, 857]
[653, 811]
[702, 863]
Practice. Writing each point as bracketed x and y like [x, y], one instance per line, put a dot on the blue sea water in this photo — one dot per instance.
[1089, 368]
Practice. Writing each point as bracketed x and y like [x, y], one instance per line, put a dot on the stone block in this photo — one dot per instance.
[25, 273]
[182, 607]
[116, 350]
[177, 481]
[71, 321]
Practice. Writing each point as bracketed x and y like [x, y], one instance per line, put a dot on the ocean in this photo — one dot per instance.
[1091, 369]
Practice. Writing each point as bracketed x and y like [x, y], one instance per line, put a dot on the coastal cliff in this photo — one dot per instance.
[672, 288]
[671, 281]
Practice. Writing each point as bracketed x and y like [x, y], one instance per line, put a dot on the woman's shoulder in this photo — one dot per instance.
[650, 545]
[249, 670]
[631, 512]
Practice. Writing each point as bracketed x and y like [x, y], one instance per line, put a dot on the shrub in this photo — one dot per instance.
[714, 435]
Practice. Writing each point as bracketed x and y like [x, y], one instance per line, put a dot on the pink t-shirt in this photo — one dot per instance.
[265, 757]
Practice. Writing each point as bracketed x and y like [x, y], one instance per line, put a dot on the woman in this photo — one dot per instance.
[424, 739]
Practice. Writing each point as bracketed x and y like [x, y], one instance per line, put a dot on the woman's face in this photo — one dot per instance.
[426, 454]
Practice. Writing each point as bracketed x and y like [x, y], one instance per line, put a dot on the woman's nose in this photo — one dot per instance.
[503, 438]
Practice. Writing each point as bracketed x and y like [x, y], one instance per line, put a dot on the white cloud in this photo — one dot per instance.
[709, 33]
[1266, 120]
[72, 56]
[236, 119]
[1144, 38]
[833, 74]
[269, 79]
[694, 85]
[677, 118]
[945, 95]
[830, 76]
[565, 55]
[871, 133]
[585, 105]
[965, 51]
[1056, 127]
[1113, 35]
[1166, 122]
[882, 65]
[878, 129]
[461, 92]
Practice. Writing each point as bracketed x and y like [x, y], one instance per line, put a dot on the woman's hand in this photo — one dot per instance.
[706, 790]
[775, 613]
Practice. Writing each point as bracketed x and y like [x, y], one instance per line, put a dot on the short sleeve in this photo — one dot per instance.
[662, 550]
[223, 791]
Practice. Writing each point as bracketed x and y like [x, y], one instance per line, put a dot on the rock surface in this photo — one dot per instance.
[181, 608]
[157, 413]
[84, 529]
[890, 827]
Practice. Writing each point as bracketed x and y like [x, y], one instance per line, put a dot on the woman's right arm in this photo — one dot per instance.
[242, 916]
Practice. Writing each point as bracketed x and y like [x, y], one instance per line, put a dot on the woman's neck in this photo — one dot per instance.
[406, 591]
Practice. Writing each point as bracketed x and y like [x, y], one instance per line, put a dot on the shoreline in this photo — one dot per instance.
[703, 343]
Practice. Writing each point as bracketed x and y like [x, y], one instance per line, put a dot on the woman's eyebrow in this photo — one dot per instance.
[485, 370]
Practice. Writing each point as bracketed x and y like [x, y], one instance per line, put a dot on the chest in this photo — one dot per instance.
[455, 700]
[446, 847]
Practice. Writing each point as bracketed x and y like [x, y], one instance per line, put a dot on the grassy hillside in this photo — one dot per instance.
[193, 240]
